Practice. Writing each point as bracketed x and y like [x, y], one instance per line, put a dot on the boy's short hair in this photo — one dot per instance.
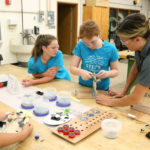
[89, 29]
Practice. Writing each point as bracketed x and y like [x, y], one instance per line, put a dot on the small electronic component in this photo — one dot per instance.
[10, 118]
[36, 137]
[21, 123]
[147, 125]
[2, 124]
[90, 114]
[148, 135]
[3, 84]
[39, 93]
[132, 116]
[55, 117]
[142, 130]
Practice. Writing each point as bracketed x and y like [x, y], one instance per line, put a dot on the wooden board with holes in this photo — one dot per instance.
[86, 123]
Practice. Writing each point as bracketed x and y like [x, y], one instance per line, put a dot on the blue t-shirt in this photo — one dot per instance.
[57, 61]
[95, 61]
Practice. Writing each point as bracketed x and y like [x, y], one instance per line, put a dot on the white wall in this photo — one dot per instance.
[125, 4]
[31, 9]
[143, 6]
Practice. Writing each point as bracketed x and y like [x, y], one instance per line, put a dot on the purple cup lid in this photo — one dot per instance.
[53, 99]
[60, 105]
[40, 115]
[27, 107]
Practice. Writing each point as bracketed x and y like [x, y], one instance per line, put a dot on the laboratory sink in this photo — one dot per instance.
[22, 52]
[22, 49]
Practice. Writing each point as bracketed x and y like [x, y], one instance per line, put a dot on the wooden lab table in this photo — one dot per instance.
[129, 138]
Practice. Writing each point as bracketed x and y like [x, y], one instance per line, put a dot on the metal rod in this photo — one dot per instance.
[22, 20]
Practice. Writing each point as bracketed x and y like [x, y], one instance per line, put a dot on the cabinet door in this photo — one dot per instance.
[100, 15]
[87, 13]
[97, 15]
[104, 25]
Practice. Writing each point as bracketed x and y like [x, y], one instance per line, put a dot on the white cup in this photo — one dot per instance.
[64, 97]
[27, 100]
[49, 93]
[40, 106]
[111, 128]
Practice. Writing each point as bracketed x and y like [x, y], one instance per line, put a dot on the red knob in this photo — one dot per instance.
[66, 131]
[77, 132]
[60, 129]
[65, 126]
[71, 129]
[72, 135]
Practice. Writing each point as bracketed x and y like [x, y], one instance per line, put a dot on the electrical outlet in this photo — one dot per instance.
[41, 16]
[50, 20]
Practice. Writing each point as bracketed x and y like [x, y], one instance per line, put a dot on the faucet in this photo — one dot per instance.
[27, 34]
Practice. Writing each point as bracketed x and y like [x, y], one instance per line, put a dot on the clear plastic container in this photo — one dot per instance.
[27, 100]
[13, 85]
[64, 98]
[49, 93]
[111, 128]
[40, 107]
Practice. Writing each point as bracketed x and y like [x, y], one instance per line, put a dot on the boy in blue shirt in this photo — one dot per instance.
[46, 62]
[97, 56]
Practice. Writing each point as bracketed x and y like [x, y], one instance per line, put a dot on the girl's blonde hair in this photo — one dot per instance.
[134, 25]
[89, 29]
[42, 40]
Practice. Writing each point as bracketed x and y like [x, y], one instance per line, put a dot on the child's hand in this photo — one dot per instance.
[86, 75]
[4, 116]
[27, 129]
[102, 74]
[27, 82]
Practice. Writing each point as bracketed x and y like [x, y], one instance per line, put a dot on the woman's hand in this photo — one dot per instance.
[104, 100]
[116, 94]
[86, 75]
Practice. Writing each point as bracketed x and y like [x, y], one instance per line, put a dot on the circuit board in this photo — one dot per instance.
[83, 125]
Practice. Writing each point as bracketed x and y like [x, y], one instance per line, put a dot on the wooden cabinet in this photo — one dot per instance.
[100, 15]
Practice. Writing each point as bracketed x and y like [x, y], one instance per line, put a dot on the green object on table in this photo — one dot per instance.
[66, 111]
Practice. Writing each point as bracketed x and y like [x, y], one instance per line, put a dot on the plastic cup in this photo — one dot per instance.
[111, 128]
[49, 93]
[40, 107]
[64, 97]
[27, 100]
